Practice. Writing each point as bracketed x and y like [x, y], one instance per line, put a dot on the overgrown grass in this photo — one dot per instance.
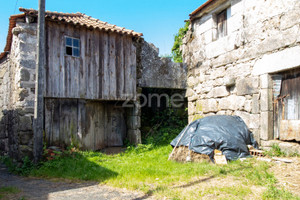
[146, 168]
[4, 191]
[22, 169]
[275, 151]
[273, 192]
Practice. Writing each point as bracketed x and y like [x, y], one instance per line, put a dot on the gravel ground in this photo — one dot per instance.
[40, 189]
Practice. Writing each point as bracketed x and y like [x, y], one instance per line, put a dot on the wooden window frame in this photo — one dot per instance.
[216, 26]
[222, 23]
[72, 47]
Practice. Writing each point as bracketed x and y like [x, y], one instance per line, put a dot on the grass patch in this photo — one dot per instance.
[4, 191]
[22, 169]
[275, 151]
[229, 191]
[275, 193]
[146, 168]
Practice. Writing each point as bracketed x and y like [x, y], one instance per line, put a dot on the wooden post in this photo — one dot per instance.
[38, 123]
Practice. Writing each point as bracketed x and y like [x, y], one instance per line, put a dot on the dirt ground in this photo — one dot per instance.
[288, 175]
[182, 153]
[39, 189]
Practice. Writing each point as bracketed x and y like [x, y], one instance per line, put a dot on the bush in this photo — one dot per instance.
[164, 126]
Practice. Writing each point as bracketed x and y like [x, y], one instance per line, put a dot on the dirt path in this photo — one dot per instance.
[39, 189]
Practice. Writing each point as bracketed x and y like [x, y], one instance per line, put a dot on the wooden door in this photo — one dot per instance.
[116, 126]
[89, 125]
[287, 108]
[95, 127]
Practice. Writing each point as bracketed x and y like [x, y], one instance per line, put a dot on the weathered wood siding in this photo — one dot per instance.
[90, 125]
[287, 107]
[105, 70]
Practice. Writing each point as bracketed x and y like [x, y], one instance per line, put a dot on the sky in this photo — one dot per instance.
[158, 20]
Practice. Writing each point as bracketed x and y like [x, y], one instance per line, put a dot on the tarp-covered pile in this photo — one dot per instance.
[228, 134]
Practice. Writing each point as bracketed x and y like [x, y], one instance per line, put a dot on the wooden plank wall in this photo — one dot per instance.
[90, 125]
[287, 110]
[291, 103]
[106, 69]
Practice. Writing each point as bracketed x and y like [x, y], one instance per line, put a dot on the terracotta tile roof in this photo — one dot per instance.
[195, 12]
[82, 20]
[12, 24]
[74, 18]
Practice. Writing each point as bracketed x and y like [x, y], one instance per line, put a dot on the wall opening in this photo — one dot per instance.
[162, 109]
[286, 98]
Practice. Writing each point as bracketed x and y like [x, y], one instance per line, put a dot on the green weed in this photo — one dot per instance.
[163, 126]
[23, 168]
[176, 53]
[275, 151]
[146, 168]
[273, 192]
[4, 191]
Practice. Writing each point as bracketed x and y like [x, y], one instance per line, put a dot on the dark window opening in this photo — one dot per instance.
[69, 51]
[72, 46]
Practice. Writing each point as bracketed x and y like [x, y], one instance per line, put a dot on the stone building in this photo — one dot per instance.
[243, 59]
[92, 68]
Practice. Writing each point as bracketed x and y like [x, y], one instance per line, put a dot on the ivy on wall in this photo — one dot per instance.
[176, 53]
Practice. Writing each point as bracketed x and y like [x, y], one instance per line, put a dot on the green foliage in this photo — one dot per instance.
[274, 193]
[24, 168]
[140, 148]
[166, 56]
[146, 168]
[275, 151]
[8, 190]
[165, 126]
[74, 166]
[176, 53]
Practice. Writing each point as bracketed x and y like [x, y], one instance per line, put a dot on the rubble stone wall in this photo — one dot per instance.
[133, 121]
[17, 82]
[231, 75]
[158, 72]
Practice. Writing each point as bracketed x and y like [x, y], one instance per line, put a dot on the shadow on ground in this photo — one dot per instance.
[40, 189]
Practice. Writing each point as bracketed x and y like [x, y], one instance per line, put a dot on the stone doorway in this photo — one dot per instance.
[287, 107]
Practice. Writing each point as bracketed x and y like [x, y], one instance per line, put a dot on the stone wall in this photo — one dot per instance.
[231, 75]
[133, 121]
[17, 75]
[157, 72]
